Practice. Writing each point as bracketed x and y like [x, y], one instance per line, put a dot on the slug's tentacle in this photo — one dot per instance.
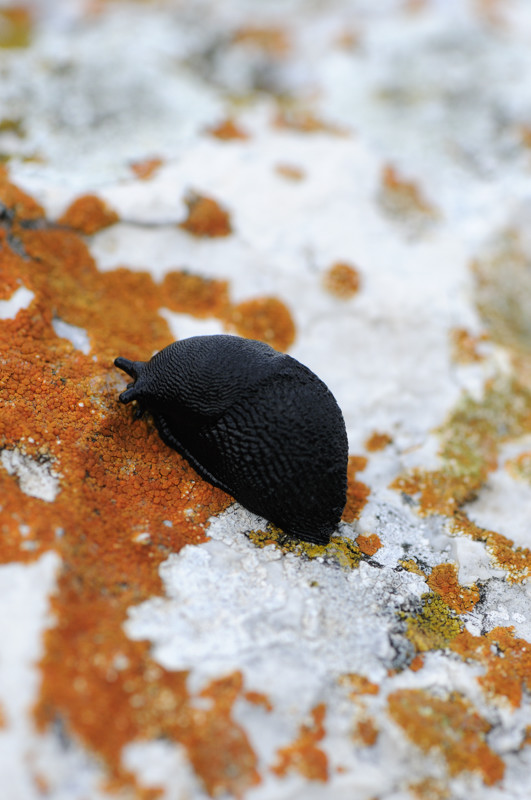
[133, 368]
[254, 422]
[133, 391]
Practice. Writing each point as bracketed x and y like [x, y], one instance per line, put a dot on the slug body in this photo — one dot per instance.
[253, 422]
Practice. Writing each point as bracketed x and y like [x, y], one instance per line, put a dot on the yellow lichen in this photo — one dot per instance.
[410, 565]
[16, 26]
[434, 626]
[341, 552]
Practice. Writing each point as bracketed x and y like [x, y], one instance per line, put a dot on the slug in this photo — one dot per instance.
[254, 422]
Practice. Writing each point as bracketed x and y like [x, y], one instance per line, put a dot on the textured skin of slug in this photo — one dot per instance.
[253, 422]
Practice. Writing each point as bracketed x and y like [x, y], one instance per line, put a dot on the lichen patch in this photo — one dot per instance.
[450, 727]
[88, 214]
[206, 218]
[340, 552]
[434, 626]
[515, 561]
[506, 658]
[357, 491]
[444, 581]
[264, 318]
[304, 755]
[470, 441]
[342, 280]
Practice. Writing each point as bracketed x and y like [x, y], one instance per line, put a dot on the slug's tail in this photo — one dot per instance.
[134, 369]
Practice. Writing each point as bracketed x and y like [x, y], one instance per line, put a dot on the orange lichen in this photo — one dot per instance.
[403, 201]
[348, 39]
[516, 561]
[2, 718]
[290, 172]
[369, 545]
[9, 282]
[88, 214]
[417, 663]
[305, 121]
[444, 581]
[227, 130]
[451, 727]
[358, 684]
[271, 39]
[492, 11]
[366, 732]
[507, 661]
[206, 217]
[304, 755]
[378, 441]
[264, 318]
[464, 346]
[224, 769]
[14, 199]
[429, 789]
[524, 132]
[440, 493]
[125, 502]
[259, 699]
[342, 280]
[357, 492]
[147, 168]
[192, 294]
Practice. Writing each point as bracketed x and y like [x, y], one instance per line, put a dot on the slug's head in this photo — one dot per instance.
[134, 389]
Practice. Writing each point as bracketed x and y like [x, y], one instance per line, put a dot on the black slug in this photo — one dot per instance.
[252, 421]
